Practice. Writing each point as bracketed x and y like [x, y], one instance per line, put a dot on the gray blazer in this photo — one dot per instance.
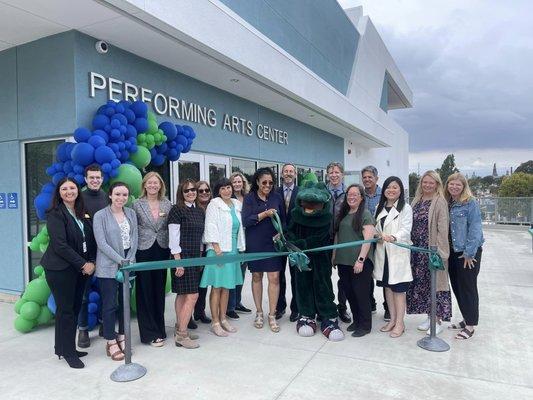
[150, 230]
[110, 252]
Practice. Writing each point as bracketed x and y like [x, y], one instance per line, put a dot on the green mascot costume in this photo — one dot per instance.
[310, 228]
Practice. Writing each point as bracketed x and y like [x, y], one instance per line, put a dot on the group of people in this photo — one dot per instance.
[92, 232]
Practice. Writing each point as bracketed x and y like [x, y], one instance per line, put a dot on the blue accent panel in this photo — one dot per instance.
[384, 102]
[8, 95]
[11, 228]
[306, 145]
[316, 32]
[46, 93]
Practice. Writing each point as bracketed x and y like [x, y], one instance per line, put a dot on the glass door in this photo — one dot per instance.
[216, 167]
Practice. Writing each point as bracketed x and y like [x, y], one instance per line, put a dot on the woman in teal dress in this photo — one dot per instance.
[223, 234]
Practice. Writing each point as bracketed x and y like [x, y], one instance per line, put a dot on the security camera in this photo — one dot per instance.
[101, 47]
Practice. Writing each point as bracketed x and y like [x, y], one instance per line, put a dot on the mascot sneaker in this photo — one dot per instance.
[330, 329]
[306, 327]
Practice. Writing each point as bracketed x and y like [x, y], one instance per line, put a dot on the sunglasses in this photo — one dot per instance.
[185, 191]
[267, 183]
[202, 191]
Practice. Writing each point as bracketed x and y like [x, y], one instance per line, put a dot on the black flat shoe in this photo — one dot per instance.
[83, 339]
[294, 317]
[344, 316]
[352, 327]
[360, 333]
[192, 324]
[232, 315]
[279, 314]
[242, 309]
[74, 362]
[204, 319]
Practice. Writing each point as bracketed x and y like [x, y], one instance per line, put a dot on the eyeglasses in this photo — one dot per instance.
[202, 191]
[185, 191]
[267, 183]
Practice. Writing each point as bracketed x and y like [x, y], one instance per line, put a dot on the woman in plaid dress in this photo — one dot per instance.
[185, 227]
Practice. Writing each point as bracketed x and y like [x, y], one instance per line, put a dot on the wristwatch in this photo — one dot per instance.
[361, 259]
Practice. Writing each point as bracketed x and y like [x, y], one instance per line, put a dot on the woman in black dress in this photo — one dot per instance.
[185, 230]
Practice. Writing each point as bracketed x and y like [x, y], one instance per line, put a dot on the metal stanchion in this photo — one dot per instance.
[431, 342]
[129, 371]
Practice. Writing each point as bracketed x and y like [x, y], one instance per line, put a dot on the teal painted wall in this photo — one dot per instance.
[316, 32]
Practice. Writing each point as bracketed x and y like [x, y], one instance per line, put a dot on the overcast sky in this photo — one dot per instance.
[470, 66]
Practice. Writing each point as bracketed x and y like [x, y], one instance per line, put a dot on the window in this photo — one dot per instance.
[245, 167]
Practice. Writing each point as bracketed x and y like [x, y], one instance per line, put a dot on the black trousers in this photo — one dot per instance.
[199, 307]
[341, 297]
[464, 285]
[67, 287]
[357, 290]
[282, 302]
[150, 291]
[373, 300]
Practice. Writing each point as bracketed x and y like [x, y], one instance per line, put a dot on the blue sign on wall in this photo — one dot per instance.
[3, 202]
[12, 200]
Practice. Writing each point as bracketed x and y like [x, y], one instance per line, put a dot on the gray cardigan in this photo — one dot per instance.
[110, 251]
[151, 230]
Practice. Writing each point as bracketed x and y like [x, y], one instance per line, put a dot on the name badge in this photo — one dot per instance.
[85, 247]
[162, 214]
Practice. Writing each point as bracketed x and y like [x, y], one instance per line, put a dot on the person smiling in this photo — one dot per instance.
[68, 261]
[392, 264]
[115, 229]
[466, 239]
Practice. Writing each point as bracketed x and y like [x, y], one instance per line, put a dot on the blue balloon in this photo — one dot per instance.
[71, 175]
[104, 154]
[102, 134]
[63, 151]
[115, 123]
[158, 160]
[114, 135]
[48, 188]
[113, 173]
[109, 111]
[107, 128]
[78, 169]
[82, 135]
[123, 130]
[100, 121]
[180, 139]
[133, 148]
[141, 124]
[130, 116]
[101, 109]
[42, 202]
[51, 304]
[115, 163]
[57, 177]
[80, 179]
[67, 167]
[111, 103]
[140, 109]
[96, 141]
[92, 308]
[120, 108]
[91, 321]
[50, 170]
[153, 152]
[83, 154]
[94, 297]
[122, 120]
[124, 156]
[169, 129]
[121, 146]
[131, 131]
[106, 167]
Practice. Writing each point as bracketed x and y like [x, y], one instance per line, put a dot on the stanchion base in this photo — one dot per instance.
[128, 372]
[433, 344]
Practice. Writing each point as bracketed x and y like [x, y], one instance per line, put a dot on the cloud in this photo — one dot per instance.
[468, 64]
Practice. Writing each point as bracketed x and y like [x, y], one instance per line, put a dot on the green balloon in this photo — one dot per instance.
[34, 244]
[168, 282]
[131, 176]
[23, 325]
[152, 126]
[133, 298]
[141, 158]
[45, 316]
[141, 138]
[131, 199]
[30, 310]
[37, 291]
[151, 116]
[18, 305]
[38, 270]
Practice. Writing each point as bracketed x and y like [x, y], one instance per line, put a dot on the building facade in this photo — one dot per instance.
[262, 82]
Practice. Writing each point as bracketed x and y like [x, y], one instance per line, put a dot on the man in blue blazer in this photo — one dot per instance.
[288, 191]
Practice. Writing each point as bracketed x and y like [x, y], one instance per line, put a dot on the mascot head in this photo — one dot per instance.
[313, 197]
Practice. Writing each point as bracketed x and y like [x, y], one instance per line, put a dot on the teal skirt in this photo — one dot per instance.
[221, 275]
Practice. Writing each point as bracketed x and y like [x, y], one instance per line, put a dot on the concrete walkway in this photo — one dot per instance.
[258, 364]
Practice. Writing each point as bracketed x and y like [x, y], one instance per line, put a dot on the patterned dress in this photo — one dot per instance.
[419, 293]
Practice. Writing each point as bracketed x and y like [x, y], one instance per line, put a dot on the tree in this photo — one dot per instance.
[518, 184]
[526, 167]
[413, 183]
[448, 167]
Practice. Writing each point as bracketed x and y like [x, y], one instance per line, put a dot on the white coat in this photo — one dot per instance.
[218, 224]
[399, 225]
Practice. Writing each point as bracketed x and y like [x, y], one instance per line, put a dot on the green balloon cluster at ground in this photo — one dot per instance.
[40, 241]
[32, 307]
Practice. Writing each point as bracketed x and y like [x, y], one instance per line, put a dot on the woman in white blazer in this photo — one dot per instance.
[392, 264]
[223, 234]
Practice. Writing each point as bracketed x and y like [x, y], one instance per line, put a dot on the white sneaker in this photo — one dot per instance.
[424, 326]
[438, 329]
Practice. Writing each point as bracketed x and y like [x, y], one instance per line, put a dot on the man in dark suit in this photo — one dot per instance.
[288, 191]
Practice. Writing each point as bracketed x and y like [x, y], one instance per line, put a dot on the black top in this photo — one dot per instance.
[66, 241]
[94, 200]
[192, 223]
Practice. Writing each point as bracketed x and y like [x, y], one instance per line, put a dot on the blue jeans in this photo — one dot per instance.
[112, 306]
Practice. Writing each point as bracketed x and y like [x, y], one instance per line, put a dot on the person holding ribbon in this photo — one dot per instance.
[430, 229]
[223, 234]
[152, 210]
[392, 264]
[115, 230]
[466, 240]
[259, 205]
[68, 261]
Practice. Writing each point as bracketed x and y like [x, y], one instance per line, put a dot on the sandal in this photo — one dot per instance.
[386, 328]
[117, 355]
[121, 342]
[157, 342]
[227, 327]
[396, 334]
[274, 327]
[465, 334]
[258, 322]
[217, 330]
[457, 327]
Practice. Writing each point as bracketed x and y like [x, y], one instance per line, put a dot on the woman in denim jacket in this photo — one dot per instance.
[466, 239]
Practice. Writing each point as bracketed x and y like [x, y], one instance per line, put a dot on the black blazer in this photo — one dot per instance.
[66, 241]
[292, 201]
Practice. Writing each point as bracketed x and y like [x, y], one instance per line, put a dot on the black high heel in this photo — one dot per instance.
[79, 354]
[74, 362]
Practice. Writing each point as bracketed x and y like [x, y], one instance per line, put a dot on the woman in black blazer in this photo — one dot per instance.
[68, 261]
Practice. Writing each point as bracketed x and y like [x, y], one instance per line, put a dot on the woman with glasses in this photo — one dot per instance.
[203, 191]
[185, 230]
[259, 205]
